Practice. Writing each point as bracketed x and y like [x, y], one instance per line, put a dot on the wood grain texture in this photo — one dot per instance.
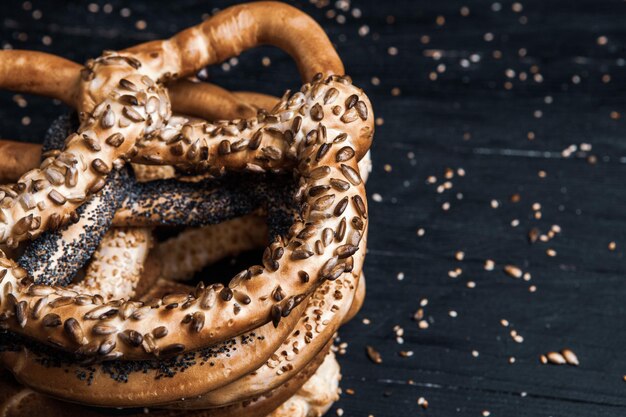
[567, 87]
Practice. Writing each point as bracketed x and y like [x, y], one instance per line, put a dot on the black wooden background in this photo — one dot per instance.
[527, 100]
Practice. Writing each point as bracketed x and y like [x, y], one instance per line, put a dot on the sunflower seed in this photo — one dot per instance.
[339, 185]
[226, 294]
[349, 116]
[129, 99]
[71, 177]
[100, 166]
[361, 109]
[327, 236]
[107, 347]
[278, 294]
[341, 230]
[296, 124]
[341, 207]
[38, 308]
[300, 254]
[256, 140]
[319, 172]
[104, 330]
[193, 150]
[224, 147]
[132, 114]
[152, 105]
[237, 279]
[149, 343]
[570, 357]
[131, 338]
[240, 145]
[344, 154]
[322, 151]
[340, 138]
[96, 313]
[75, 331]
[197, 322]
[328, 267]
[374, 355]
[128, 85]
[276, 314]
[345, 251]
[160, 332]
[556, 358]
[21, 313]
[209, 298]
[51, 320]
[54, 176]
[91, 143]
[171, 350]
[272, 152]
[255, 168]
[351, 101]
[23, 225]
[97, 186]
[57, 198]
[331, 95]
[360, 206]
[108, 118]
[350, 174]
[317, 112]
[115, 140]
[357, 223]
[323, 203]
[318, 189]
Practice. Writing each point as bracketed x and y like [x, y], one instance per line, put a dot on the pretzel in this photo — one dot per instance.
[319, 134]
[312, 391]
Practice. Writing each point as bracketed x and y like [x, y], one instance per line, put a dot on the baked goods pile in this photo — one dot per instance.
[95, 310]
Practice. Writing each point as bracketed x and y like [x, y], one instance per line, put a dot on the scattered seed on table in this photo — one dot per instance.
[570, 357]
[513, 271]
[556, 358]
[422, 402]
[489, 265]
[374, 355]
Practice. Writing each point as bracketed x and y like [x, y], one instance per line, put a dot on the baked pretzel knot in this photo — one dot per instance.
[121, 338]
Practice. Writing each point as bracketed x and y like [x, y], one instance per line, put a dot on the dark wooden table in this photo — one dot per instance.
[497, 120]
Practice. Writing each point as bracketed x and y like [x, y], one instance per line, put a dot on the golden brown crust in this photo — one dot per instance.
[39, 73]
[242, 27]
[17, 158]
[317, 395]
[146, 389]
[16, 401]
[208, 101]
[222, 381]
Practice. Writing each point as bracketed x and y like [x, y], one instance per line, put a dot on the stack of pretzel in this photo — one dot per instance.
[96, 311]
